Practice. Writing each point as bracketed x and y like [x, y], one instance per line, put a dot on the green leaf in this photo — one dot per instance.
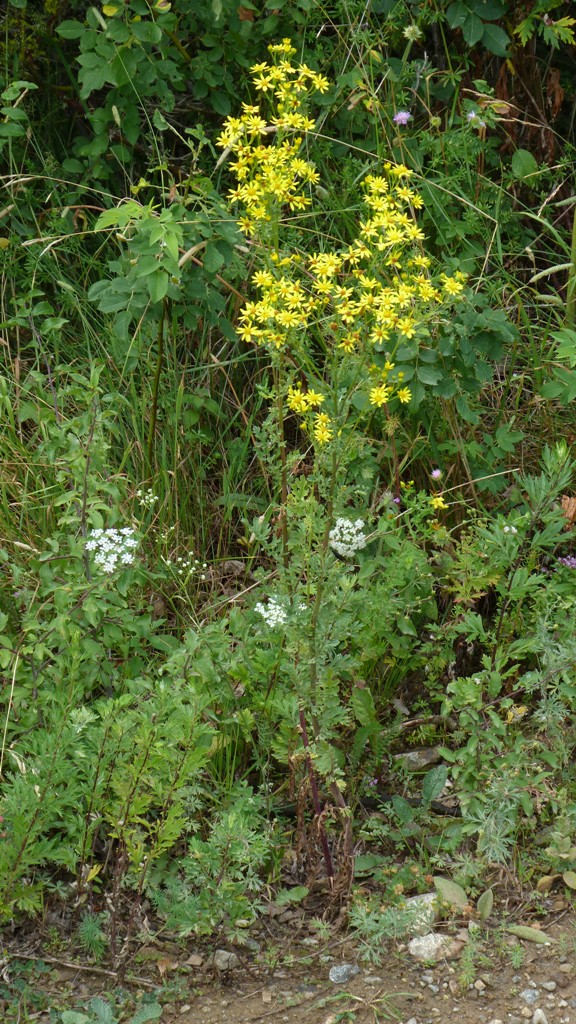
[71, 29]
[434, 783]
[213, 258]
[150, 1011]
[362, 704]
[157, 285]
[146, 31]
[456, 14]
[566, 338]
[159, 121]
[529, 934]
[473, 29]
[523, 164]
[102, 1010]
[220, 102]
[71, 1017]
[450, 892]
[485, 904]
[429, 374]
[295, 895]
[570, 879]
[496, 40]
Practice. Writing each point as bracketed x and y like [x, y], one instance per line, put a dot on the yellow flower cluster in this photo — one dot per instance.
[271, 177]
[371, 296]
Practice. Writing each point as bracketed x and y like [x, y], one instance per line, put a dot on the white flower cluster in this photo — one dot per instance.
[112, 548]
[347, 537]
[510, 529]
[146, 497]
[186, 566]
[273, 613]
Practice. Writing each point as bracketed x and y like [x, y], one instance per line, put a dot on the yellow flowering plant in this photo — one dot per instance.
[343, 328]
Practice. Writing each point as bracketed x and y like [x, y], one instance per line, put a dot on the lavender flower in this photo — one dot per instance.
[402, 117]
[569, 561]
[472, 116]
[436, 474]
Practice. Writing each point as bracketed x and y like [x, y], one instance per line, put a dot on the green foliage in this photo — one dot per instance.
[101, 1011]
[325, 526]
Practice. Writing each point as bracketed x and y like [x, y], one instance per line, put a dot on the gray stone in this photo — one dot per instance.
[342, 973]
[550, 986]
[530, 996]
[415, 760]
[432, 947]
[373, 979]
[539, 1017]
[496, 1020]
[225, 961]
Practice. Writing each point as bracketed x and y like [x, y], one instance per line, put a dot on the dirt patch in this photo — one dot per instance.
[494, 978]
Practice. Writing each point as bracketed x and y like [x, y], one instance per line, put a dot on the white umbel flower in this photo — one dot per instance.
[347, 537]
[113, 549]
[273, 613]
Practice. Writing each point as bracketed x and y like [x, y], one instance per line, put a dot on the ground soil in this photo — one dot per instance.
[287, 980]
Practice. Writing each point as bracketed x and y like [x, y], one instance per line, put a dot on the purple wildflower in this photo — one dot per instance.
[474, 119]
[402, 117]
[436, 474]
[569, 561]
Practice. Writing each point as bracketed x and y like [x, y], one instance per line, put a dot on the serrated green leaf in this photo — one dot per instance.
[434, 783]
[295, 895]
[529, 934]
[485, 904]
[450, 892]
[150, 1011]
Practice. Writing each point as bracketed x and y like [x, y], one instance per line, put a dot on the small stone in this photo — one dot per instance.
[412, 1021]
[530, 996]
[434, 988]
[433, 947]
[195, 960]
[225, 961]
[495, 1020]
[185, 1008]
[415, 760]
[427, 977]
[539, 1017]
[479, 985]
[550, 986]
[342, 973]
[526, 1013]
[454, 987]
[373, 979]
[266, 995]
[565, 968]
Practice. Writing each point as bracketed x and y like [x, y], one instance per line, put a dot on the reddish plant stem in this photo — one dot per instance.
[316, 799]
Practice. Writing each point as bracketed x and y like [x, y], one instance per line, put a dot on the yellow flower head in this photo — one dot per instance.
[437, 501]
